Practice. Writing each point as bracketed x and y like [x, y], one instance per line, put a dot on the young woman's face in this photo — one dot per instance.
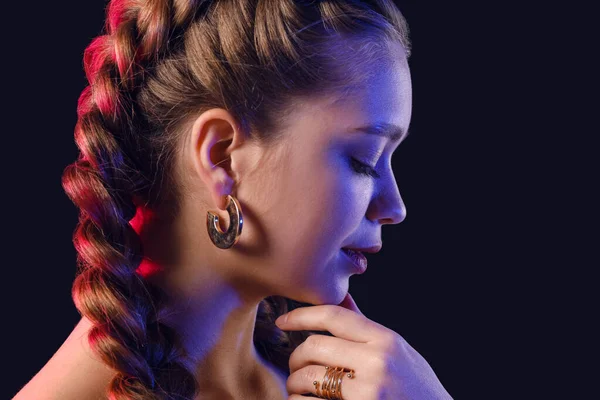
[314, 197]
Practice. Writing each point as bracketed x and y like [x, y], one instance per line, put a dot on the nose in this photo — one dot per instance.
[395, 213]
[388, 207]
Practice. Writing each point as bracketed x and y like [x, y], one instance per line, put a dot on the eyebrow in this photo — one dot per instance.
[391, 131]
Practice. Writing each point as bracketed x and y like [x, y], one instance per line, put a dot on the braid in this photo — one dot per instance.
[126, 332]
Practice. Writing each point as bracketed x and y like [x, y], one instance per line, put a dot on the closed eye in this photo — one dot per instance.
[363, 168]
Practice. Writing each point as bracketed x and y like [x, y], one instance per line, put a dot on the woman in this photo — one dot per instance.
[205, 117]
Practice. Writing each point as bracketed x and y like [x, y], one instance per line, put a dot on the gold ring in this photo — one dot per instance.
[331, 385]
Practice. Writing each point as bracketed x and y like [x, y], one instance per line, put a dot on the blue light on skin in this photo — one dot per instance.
[302, 201]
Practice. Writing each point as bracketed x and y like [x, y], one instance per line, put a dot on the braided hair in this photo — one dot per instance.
[156, 65]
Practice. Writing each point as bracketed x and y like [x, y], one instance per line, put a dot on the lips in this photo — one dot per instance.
[351, 251]
[358, 258]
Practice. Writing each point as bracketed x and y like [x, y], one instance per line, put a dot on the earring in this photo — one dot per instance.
[225, 240]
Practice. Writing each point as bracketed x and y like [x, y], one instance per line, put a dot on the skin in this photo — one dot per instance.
[379, 363]
[302, 201]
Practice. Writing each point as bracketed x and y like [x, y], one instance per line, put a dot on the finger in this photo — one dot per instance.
[349, 304]
[302, 382]
[328, 350]
[337, 320]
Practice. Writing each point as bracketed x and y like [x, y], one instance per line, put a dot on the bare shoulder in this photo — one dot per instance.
[73, 372]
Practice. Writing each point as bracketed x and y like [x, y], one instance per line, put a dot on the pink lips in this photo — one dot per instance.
[357, 258]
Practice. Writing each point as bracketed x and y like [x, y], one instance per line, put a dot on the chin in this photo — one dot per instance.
[329, 296]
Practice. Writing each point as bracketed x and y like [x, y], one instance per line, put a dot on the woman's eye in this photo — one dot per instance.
[363, 168]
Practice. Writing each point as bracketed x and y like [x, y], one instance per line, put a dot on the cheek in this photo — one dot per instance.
[352, 192]
[330, 210]
[308, 214]
[314, 207]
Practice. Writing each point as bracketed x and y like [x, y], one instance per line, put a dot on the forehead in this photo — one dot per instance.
[385, 98]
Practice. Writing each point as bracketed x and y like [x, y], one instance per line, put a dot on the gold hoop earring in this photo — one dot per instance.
[225, 240]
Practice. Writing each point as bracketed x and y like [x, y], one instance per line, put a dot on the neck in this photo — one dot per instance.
[217, 333]
[212, 311]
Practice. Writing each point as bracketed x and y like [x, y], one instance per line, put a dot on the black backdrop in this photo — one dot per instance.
[480, 259]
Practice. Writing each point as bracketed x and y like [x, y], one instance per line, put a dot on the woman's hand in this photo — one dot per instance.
[385, 366]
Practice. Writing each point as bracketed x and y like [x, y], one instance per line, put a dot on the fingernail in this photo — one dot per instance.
[281, 320]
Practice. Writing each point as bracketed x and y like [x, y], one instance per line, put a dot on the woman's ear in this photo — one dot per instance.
[211, 142]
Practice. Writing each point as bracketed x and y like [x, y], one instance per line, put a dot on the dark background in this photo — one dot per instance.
[478, 275]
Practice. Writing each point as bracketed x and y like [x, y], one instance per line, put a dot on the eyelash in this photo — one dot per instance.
[363, 168]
